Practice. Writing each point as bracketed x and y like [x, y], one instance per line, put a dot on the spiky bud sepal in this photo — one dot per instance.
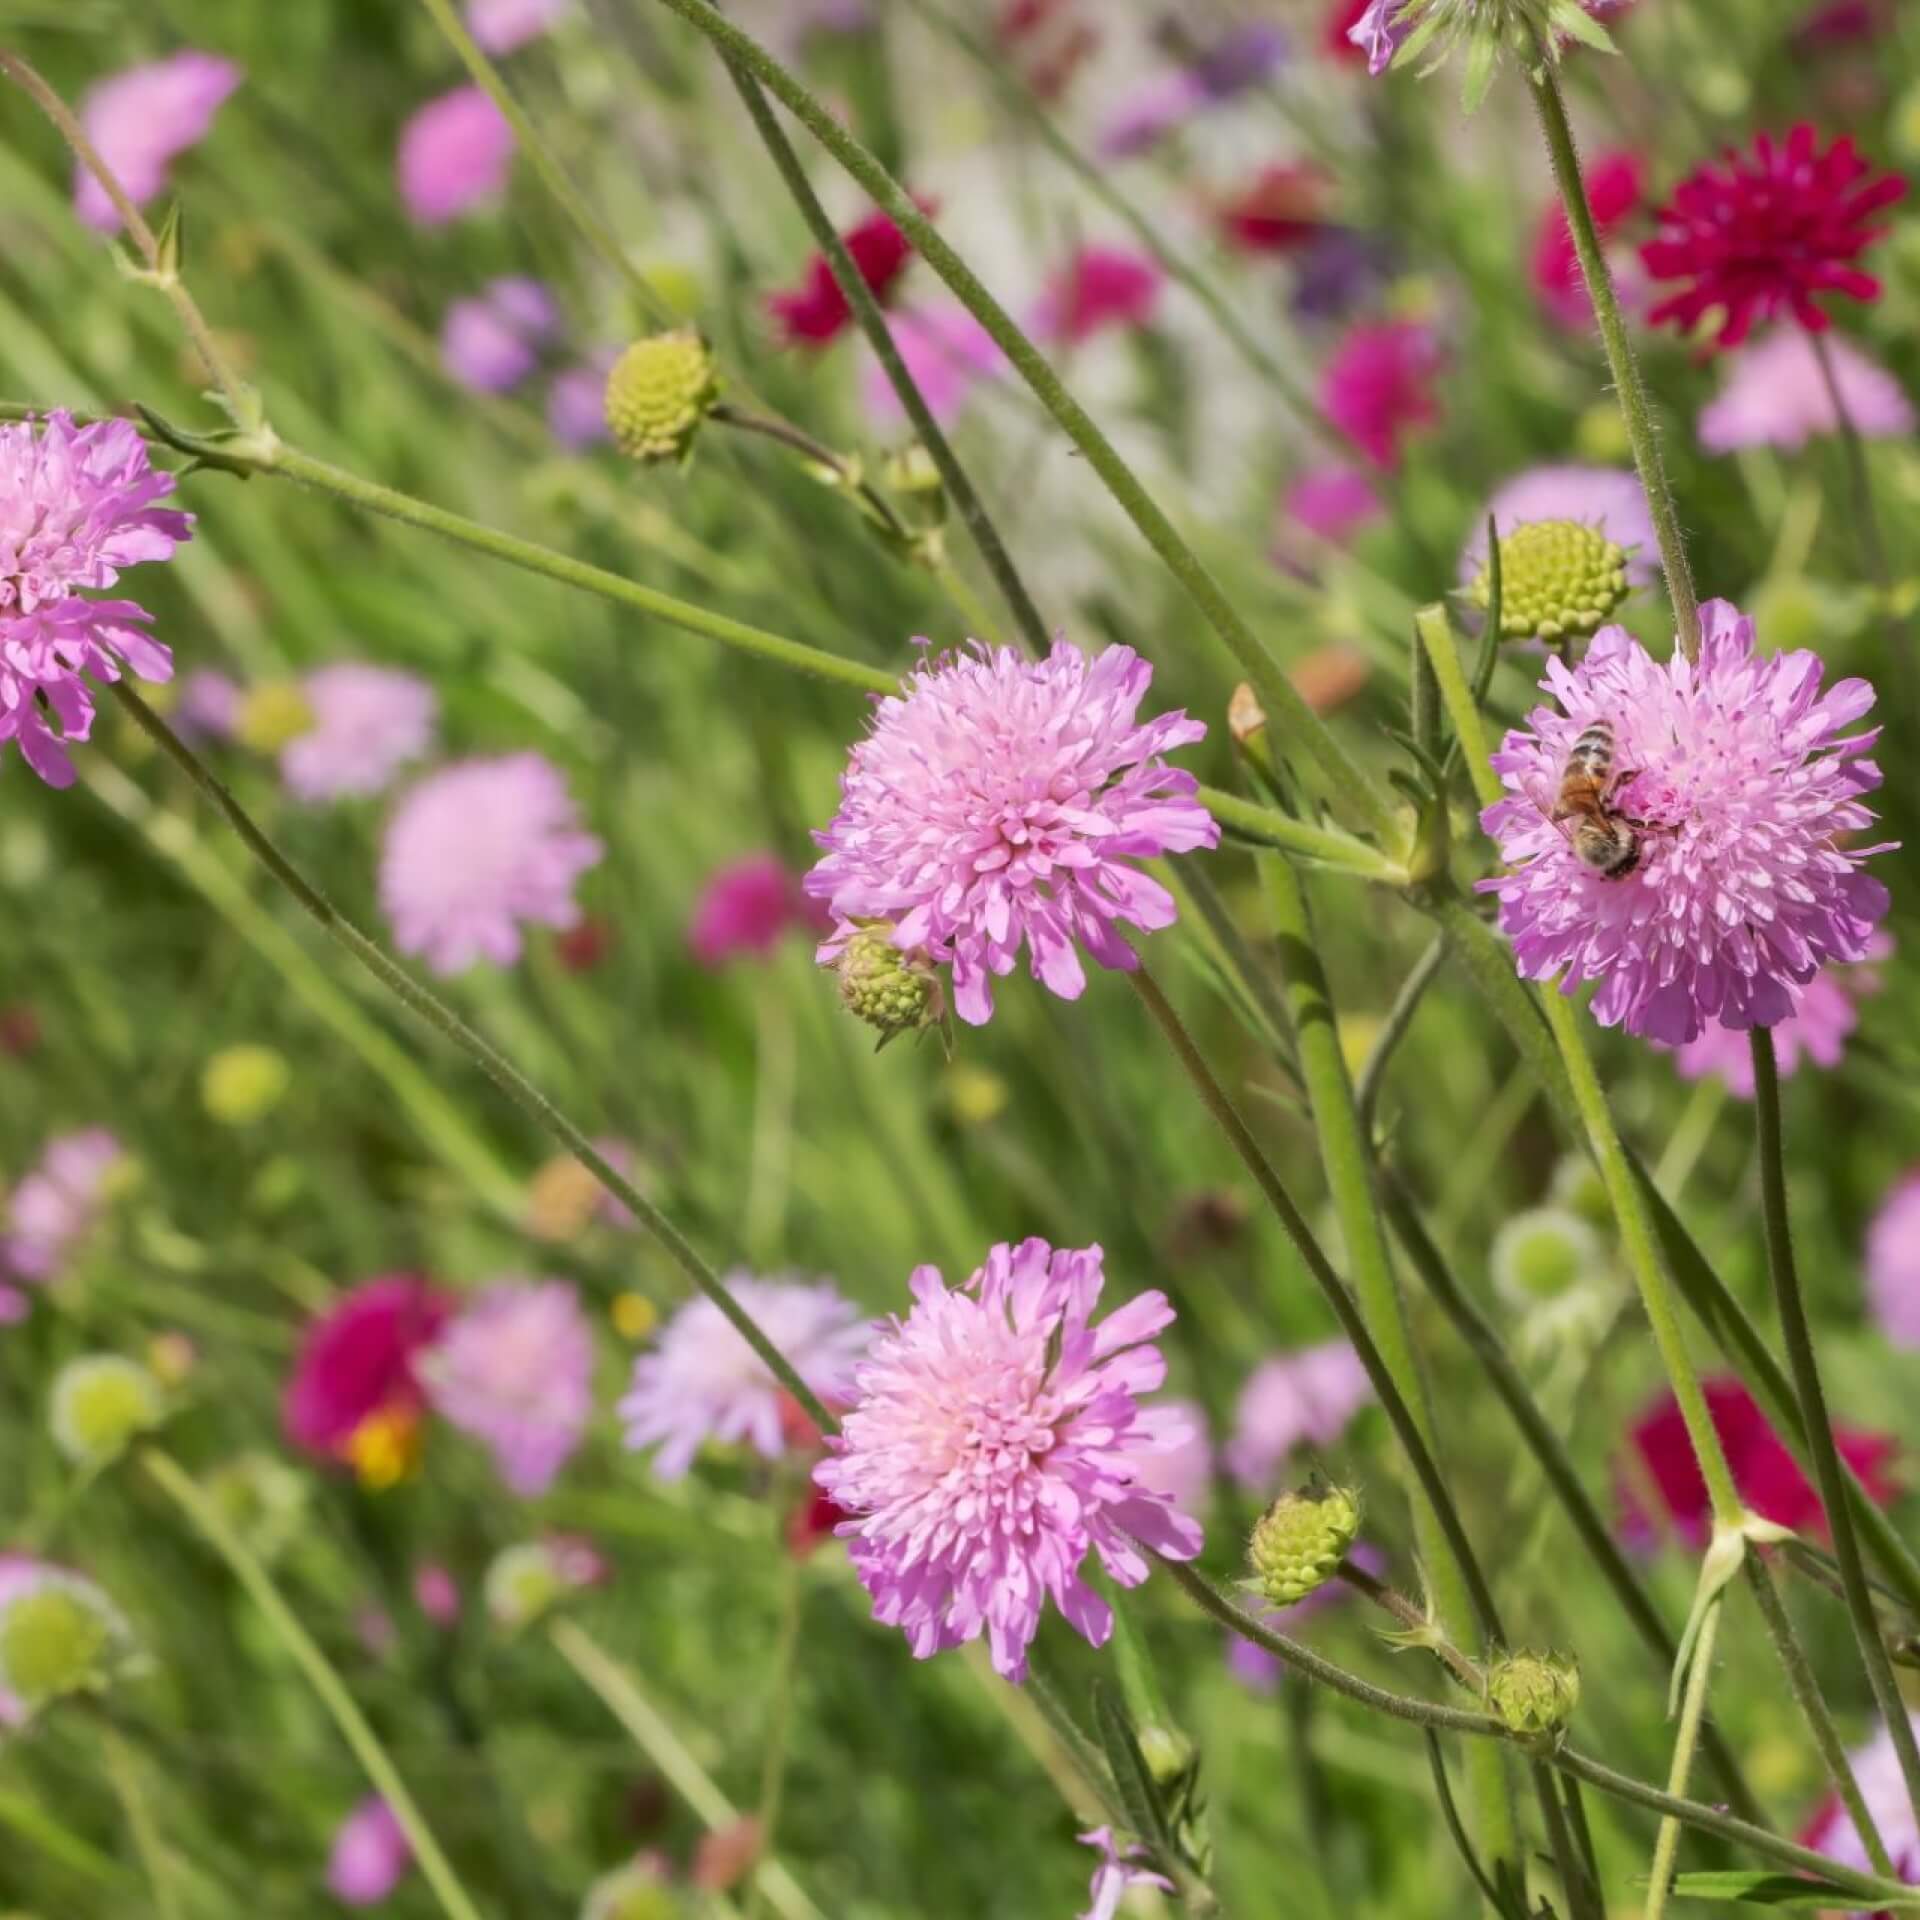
[1559, 581]
[1429, 30]
[893, 992]
[1300, 1540]
[659, 393]
[1533, 1695]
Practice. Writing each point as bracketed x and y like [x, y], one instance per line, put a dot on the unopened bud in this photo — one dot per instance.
[893, 992]
[59, 1637]
[634, 1892]
[659, 392]
[262, 1500]
[1246, 717]
[1167, 1752]
[1542, 1254]
[240, 1085]
[1534, 1694]
[1299, 1542]
[100, 1405]
[1558, 580]
[272, 715]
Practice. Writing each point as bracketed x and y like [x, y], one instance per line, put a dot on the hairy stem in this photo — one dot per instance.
[1692, 1712]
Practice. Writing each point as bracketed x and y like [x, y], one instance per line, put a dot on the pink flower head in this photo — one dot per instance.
[502, 26]
[1876, 1770]
[514, 1368]
[1151, 111]
[76, 506]
[1380, 384]
[816, 311]
[1615, 183]
[577, 404]
[1306, 1398]
[207, 705]
[436, 1593]
[745, 908]
[1776, 396]
[997, 1438]
[1609, 498]
[702, 1382]
[475, 850]
[367, 723]
[1378, 31]
[1100, 287]
[1282, 209]
[57, 1205]
[947, 351]
[997, 803]
[141, 121]
[1329, 503]
[454, 154]
[358, 1360]
[1747, 786]
[1120, 1868]
[1768, 232]
[370, 1857]
[1893, 1264]
[1765, 1474]
[492, 342]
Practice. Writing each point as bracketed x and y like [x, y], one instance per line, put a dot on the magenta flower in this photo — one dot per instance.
[367, 723]
[1747, 785]
[997, 803]
[703, 1383]
[76, 506]
[1893, 1264]
[492, 342]
[1775, 396]
[358, 1362]
[436, 1593]
[514, 1368]
[475, 850]
[947, 351]
[1380, 384]
[141, 121]
[1378, 33]
[1329, 504]
[997, 1439]
[1120, 1869]
[56, 1205]
[1876, 1770]
[1099, 288]
[454, 154]
[1306, 1398]
[502, 26]
[1608, 498]
[370, 1857]
[745, 908]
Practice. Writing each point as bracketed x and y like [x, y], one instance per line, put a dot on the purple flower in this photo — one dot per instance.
[1747, 785]
[370, 1855]
[76, 505]
[1243, 58]
[1330, 504]
[141, 120]
[436, 1593]
[1893, 1264]
[1378, 33]
[501, 26]
[997, 1439]
[1120, 1868]
[514, 1368]
[57, 1205]
[492, 342]
[1608, 498]
[367, 722]
[454, 153]
[475, 850]
[1336, 270]
[947, 351]
[208, 705]
[1305, 1398]
[745, 908]
[1775, 396]
[577, 405]
[996, 804]
[703, 1382]
[1876, 1768]
[1152, 111]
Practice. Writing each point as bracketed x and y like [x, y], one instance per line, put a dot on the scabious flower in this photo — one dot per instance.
[816, 312]
[1609, 499]
[1769, 232]
[367, 723]
[577, 402]
[140, 121]
[60, 1637]
[1747, 784]
[1100, 287]
[1876, 1770]
[1616, 184]
[997, 803]
[476, 850]
[454, 154]
[996, 1440]
[1281, 210]
[745, 908]
[702, 1382]
[76, 506]
[514, 1368]
[370, 1857]
[1119, 1870]
[948, 353]
[1766, 1476]
[1776, 396]
[1330, 504]
[1306, 1398]
[491, 341]
[1893, 1264]
[58, 1203]
[1182, 1468]
[1379, 385]
[502, 26]
[1435, 26]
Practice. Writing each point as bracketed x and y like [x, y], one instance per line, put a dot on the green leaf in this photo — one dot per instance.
[1781, 1890]
[1138, 1794]
[1483, 54]
[1572, 19]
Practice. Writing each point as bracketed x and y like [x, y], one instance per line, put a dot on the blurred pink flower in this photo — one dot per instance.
[948, 353]
[436, 1593]
[454, 153]
[367, 723]
[577, 405]
[1379, 385]
[816, 312]
[14, 1305]
[207, 705]
[1302, 1399]
[1616, 184]
[475, 850]
[1329, 503]
[492, 341]
[1100, 287]
[744, 908]
[1876, 1771]
[1609, 498]
[359, 1360]
[1155, 108]
[141, 120]
[370, 1855]
[1893, 1264]
[501, 26]
[57, 1204]
[1774, 395]
[1119, 1871]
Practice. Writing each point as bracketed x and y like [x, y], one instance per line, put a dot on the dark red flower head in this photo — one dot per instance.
[1766, 232]
[357, 1360]
[816, 311]
[1282, 208]
[1614, 182]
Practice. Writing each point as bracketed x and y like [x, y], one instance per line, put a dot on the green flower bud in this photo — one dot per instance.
[659, 392]
[262, 1500]
[1558, 579]
[1534, 1694]
[271, 715]
[240, 1085]
[1577, 1186]
[61, 1637]
[1300, 1541]
[893, 992]
[523, 1583]
[633, 1892]
[1543, 1254]
[101, 1404]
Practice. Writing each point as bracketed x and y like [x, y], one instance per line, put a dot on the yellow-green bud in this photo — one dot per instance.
[1300, 1541]
[271, 715]
[61, 1637]
[262, 1500]
[1167, 1752]
[1542, 1254]
[893, 992]
[1534, 1694]
[659, 392]
[100, 1405]
[240, 1085]
[635, 1892]
[1558, 579]
[523, 1582]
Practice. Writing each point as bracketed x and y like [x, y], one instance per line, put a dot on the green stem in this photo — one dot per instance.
[1326, 846]
[321, 1676]
[1692, 1712]
[777, 1743]
[436, 1014]
[1302, 728]
[1406, 1003]
[1642, 435]
[1814, 1415]
[154, 1861]
[784, 433]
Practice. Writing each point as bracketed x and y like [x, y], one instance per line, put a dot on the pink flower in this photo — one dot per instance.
[1748, 786]
[1152, 111]
[1378, 32]
[1775, 396]
[1120, 1868]
[1380, 384]
[703, 1383]
[1609, 498]
[57, 1205]
[367, 722]
[492, 342]
[745, 908]
[1876, 1769]
[1893, 1264]
[1615, 183]
[370, 1857]
[997, 803]
[76, 506]
[207, 705]
[475, 850]
[1330, 503]
[502, 26]
[1306, 1398]
[358, 1360]
[1281, 210]
[1100, 287]
[816, 311]
[143, 119]
[997, 1439]
[454, 154]
[436, 1593]
[577, 403]
[947, 351]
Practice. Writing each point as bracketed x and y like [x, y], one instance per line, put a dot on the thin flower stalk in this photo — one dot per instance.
[1692, 1714]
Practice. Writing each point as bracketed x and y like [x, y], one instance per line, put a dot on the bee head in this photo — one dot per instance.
[1608, 847]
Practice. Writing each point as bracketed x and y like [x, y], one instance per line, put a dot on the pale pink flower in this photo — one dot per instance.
[948, 353]
[1303, 1399]
[502, 26]
[1876, 1768]
[207, 706]
[454, 153]
[370, 1857]
[577, 406]
[367, 723]
[56, 1205]
[1182, 1467]
[1120, 1868]
[1893, 1264]
[1609, 499]
[1774, 395]
[436, 1593]
[492, 341]
[143, 119]
[997, 1439]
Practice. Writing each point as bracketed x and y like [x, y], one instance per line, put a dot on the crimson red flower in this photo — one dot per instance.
[1379, 385]
[1342, 17]
[357, 1362]
[1282, 209]
[1767, 1475]
[816, 311]
[1768, 231]
[1615, 182]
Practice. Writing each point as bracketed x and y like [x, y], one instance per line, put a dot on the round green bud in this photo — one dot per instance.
[271, 715]
[240, 1085]
[893, 992]
[60, 1638]
[659, 392]
[1300, 1541]
[262, 1500]
[1543, 1254]
[1578, 1187]
[633, 1892]
[1534, 1694]
[101, 1404]
[1558, 580]
[523, 1582]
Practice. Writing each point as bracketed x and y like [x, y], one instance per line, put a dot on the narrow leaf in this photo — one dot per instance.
[1138, 1794]
[1781, 1890]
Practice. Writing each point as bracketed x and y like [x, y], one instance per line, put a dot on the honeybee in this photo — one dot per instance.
[1602, 838]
